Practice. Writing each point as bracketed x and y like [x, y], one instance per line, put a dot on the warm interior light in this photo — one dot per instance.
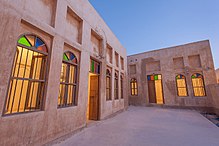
[159, 92]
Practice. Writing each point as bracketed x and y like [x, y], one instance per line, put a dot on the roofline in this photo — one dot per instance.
[170, 47]
[102, 18]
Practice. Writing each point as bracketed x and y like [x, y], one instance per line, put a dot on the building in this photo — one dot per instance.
[61, 67]
[215, 93]
[178, 76]
[64, 67]
[217, 74]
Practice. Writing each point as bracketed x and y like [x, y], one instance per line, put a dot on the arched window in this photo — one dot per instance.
[181, 85]
[68, 81]
[108, 85]
[116, 87]
[121, 82]
[198, 85]
[28, 76]
[134, 87]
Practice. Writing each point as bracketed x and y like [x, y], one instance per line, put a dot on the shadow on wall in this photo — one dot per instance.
[215, 97]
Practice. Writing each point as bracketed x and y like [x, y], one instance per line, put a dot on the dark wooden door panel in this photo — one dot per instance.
[151, 90]
[94, 96]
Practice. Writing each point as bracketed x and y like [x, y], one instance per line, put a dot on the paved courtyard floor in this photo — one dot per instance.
[149, 126]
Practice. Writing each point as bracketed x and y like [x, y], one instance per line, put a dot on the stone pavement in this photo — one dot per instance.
[149, 126]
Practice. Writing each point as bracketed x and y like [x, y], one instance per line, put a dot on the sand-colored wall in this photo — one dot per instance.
[49, 20]
[162, 62]
[214, 90]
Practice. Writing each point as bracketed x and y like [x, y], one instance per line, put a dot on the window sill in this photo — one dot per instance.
[28, 113]
[108, 100]
[63, 107]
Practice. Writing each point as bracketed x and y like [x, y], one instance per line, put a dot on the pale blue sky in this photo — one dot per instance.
[143, 25]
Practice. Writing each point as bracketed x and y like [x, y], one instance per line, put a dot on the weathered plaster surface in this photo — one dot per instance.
[49, 20]
[217, 74]
[162, 62]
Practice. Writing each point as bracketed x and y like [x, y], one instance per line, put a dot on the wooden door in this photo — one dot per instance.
[151, 90]
[94, 96]
[159, 92]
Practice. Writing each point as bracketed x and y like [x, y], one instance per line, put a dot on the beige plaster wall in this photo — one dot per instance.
[47, 19]
[161, 62]
[214, 90]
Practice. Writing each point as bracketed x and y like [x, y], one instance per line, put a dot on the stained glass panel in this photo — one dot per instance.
[24, 41]
[94, 67]
[180, 77]
[42, 48]
[156, 77]
[149, 78]
[197, 75]
[68, 56]
[39, 42]
[65, 57]
[159, 77]
[31, 39]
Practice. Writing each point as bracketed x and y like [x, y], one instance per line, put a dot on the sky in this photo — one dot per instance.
[144, 25]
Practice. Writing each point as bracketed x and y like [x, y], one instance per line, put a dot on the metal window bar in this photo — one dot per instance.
[122, 88]
[11, 82]
[66, 98]
[31, 100]
[108, 87]
[199, 88]
[116, 89]
[134, 87]
[23, 80]
[16, 82]
[17, 77]
[181, 87]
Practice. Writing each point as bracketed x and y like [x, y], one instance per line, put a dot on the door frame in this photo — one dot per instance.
[99, 85]
[155, 89]
[98, 98]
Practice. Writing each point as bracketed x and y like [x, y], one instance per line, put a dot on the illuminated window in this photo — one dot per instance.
[121, 82]
[116, 85]
[68, 81]
[94, 66]
[181, 85]
[134, 87]
[28, 76]
[108, 85]
[198, 85]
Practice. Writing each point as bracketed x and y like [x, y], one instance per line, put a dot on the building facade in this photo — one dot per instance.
[64, 68]
[177, 76]
[217, 74]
